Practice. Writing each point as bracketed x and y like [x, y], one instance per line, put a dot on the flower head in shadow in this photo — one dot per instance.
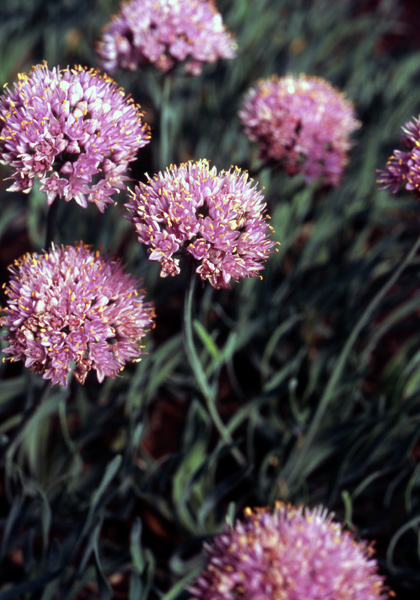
[163, 33]
[289, 554]
[74, 308]
[403, 167]
[218, 218]
[302, 122]
[72, 129]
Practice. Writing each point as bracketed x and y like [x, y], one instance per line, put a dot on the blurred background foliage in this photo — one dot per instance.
[108, 491]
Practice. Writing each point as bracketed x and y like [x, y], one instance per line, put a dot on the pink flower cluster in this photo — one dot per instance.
[218, 218]
[163, 33]
[304, 123]
[289, 554]
[403, 167]
[72, 129]
[74, 305]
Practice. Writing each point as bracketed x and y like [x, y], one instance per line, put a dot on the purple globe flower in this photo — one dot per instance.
[290, 554]
[163, 33]
[74, 130]
[72, 305]
[304, 123]
[403, 167]
[218, 218]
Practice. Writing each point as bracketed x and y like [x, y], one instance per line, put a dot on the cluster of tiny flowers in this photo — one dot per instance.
[72, 129]
[290, 554]
[73, 305]
[163, 33]
[218, 218]
[403, 167]
[304, 123]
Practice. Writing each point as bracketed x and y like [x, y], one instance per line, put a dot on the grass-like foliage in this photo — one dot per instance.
[301, 386]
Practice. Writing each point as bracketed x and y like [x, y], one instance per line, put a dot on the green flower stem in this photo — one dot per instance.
[165, 123]
[51, 224]
[201, 379]
[292, 473]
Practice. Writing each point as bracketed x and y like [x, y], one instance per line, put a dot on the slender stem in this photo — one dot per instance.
[190, 349]
[293, 471]
[51, 224]
[197, 368]
[165, 124]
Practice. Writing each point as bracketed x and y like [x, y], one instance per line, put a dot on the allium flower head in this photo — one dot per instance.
[73, 305]
[218, 218]
[304, 122]
[163, 33]
[403, 167]
[290, 554]
[72, 129]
